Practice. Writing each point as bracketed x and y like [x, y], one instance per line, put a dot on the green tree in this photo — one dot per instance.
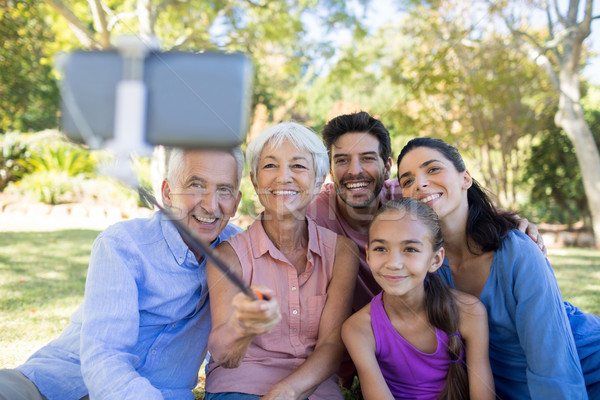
[429, 74]
[28, 93]
[477, 92]
[272, 33]
[552, 33]
[553, 174]
[560, 53]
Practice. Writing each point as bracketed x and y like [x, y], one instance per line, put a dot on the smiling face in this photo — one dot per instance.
[400, 253]
[426, 175]
[285, 179]
[205, 195]
[357, 169]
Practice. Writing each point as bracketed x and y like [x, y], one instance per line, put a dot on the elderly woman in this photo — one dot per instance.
[288, 345]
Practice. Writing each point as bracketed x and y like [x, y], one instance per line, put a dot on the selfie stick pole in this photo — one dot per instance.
[130, 118]
[130, 106]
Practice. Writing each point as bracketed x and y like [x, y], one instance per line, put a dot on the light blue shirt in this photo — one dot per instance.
[532, 350]
[144, 324]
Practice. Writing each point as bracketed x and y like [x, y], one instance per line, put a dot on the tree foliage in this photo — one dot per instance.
[28, 93]
[275, 34]
[431, 73]
[552, 173]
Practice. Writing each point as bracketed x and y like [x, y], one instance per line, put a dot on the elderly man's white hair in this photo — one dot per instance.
[300, 136]
[174, 156]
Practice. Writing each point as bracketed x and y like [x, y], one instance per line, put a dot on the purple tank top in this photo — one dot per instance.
[408, 372]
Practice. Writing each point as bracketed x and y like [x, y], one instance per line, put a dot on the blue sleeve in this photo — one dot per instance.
[553, 368]
[110, 325]
[230, 230]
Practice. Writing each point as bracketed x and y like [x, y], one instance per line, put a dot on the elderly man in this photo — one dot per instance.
[144, 324]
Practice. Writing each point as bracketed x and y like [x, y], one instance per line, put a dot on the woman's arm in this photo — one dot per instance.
[236, 319]
[327, 356]
[358, 337]
[553, 367]
[474, 331]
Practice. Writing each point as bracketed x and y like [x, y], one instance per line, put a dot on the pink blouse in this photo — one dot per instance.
[273, 356]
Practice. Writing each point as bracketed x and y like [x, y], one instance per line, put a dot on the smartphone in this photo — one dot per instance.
[194, 100]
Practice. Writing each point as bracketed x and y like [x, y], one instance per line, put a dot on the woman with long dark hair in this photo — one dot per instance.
[540, 347]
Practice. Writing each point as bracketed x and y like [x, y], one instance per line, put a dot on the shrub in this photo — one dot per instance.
[14, 159]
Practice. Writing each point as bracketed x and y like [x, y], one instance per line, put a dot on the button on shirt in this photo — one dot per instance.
[273, 356]
[144, 324]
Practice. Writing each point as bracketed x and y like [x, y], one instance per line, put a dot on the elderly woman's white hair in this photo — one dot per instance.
[299, 136]
[175, 162]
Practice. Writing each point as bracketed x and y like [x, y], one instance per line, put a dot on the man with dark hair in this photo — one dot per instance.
[360, 157]
[360, 162]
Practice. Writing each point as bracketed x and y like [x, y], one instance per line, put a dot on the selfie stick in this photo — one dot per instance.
[130, 105]
[130, 117]
[199, 247]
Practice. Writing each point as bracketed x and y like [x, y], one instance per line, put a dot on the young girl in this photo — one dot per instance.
[418, 338]
[540, 347]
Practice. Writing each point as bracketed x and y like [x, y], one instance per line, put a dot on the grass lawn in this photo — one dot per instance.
[42, 278]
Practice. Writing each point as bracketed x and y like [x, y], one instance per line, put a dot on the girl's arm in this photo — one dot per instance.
[236, 319]
[358, 337]
[327, 356]
[474, 331]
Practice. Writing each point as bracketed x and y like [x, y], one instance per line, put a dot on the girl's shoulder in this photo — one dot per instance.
[468, 305]
[473, 316]
[359, 323]
[361, 316]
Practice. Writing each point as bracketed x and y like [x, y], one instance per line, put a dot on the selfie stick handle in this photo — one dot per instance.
[131, 106]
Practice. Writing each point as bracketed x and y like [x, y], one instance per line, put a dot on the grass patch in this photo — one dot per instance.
[42, 279]
[578, 275]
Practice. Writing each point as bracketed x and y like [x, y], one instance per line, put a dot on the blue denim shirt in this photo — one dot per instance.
[532, 350]
[143, 327]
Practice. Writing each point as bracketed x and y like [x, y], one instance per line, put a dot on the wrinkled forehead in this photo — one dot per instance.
[278, 147]
[216, 166]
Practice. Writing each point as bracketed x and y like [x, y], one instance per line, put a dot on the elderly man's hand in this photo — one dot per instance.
[255, 317]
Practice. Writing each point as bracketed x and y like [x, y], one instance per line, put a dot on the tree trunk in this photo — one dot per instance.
[570, 117]
[146, 18]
